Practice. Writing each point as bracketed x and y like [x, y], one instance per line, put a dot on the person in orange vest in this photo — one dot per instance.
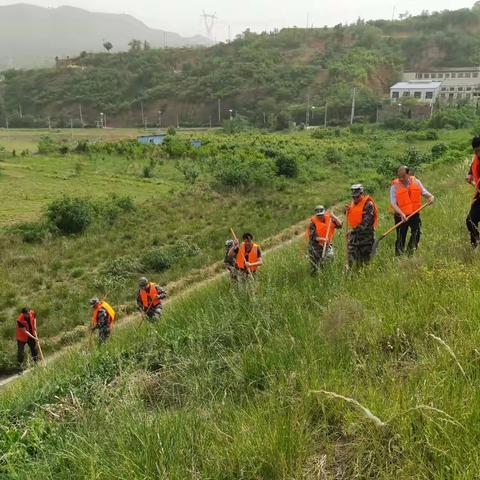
[248, 256]
[362, 219]
[406, 195]
[149, 298]
[26, 335]
[102, 318]
[321, 230]
[473, 177]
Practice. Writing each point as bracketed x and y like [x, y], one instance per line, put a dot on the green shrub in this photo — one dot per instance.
[122, 266]
[242, 172]
[287, 166]
[70, 215]
[438, 150]
[189, 171]
[332, 155]
[34, 232]
[157, 260]
[147, 171]
[171, 131]
[176, 147]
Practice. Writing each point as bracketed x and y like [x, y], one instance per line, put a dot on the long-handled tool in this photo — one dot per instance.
[244, 259]
[325, 242]
[390, 230]
[42, 358]
[347, 263]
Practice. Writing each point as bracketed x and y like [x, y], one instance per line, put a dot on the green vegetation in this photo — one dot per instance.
[90, 221]
[263, 79]
[224, 387]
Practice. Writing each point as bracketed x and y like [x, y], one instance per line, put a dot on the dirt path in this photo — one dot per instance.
[181, 288]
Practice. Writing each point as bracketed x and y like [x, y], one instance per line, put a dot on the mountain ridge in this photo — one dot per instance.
[32, 36]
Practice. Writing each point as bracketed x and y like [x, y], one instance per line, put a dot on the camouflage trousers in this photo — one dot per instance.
[315, 256]
[153, 313]
[103, 331]
[360, 246]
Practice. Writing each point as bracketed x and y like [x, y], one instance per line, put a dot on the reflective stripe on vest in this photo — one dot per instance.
[408, 198]
[108, 308]
[355, 212]
[242, 255]
[321, 227]
[21, 334]
[148, 296]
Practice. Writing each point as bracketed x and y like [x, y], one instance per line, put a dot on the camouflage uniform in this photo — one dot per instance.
[362, 237]
[229, 263]
[155, 311]
[102, 325]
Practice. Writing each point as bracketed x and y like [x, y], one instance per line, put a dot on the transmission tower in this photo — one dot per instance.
[209, 21]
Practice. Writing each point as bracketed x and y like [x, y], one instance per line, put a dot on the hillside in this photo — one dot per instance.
[232, 384]
[32, 36]
[264, 78]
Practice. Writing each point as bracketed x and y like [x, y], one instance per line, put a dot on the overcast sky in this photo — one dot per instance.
[184, 16]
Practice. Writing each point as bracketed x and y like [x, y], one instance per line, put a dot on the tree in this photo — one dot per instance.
[107, 46]
[146, 45]
[135, 45]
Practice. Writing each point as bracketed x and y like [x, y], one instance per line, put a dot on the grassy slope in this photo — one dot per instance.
[221, 389]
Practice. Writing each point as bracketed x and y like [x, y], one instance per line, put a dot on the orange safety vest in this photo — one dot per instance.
[148, 296]
[355, 212]
[242, 255]
[108, 308]
[321, 228]
[408, 198]
[476, 171]
[32, 329]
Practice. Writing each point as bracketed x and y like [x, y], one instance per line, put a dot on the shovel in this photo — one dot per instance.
[390, 230]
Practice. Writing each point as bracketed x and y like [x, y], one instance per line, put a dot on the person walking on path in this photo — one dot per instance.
[27, 335]
[248, 257]
[149, 298]
[320, 233]
[102, 318]
[473, 177]
[362, 220]
[406, 195]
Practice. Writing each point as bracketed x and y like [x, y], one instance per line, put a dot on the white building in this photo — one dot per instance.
[457, 83]
[423, 90]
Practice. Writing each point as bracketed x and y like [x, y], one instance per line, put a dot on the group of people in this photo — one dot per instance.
[149, 302]
[243, 259]
[361, 216]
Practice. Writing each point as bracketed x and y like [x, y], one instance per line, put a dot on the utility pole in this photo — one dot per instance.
[6, 121]
[178, 120]
[145, 125]
[143, 116]
[49, 123]
[81, 116]
[307, 114]
[105, 121]
[219, 111]
[325, 118]
[159, 119]
[164, 39]
[71, 127]
[352, 116]
[229, 37]
[20, 113]
[210, 121]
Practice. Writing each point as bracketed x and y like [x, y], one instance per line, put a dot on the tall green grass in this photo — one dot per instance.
[224, 387]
